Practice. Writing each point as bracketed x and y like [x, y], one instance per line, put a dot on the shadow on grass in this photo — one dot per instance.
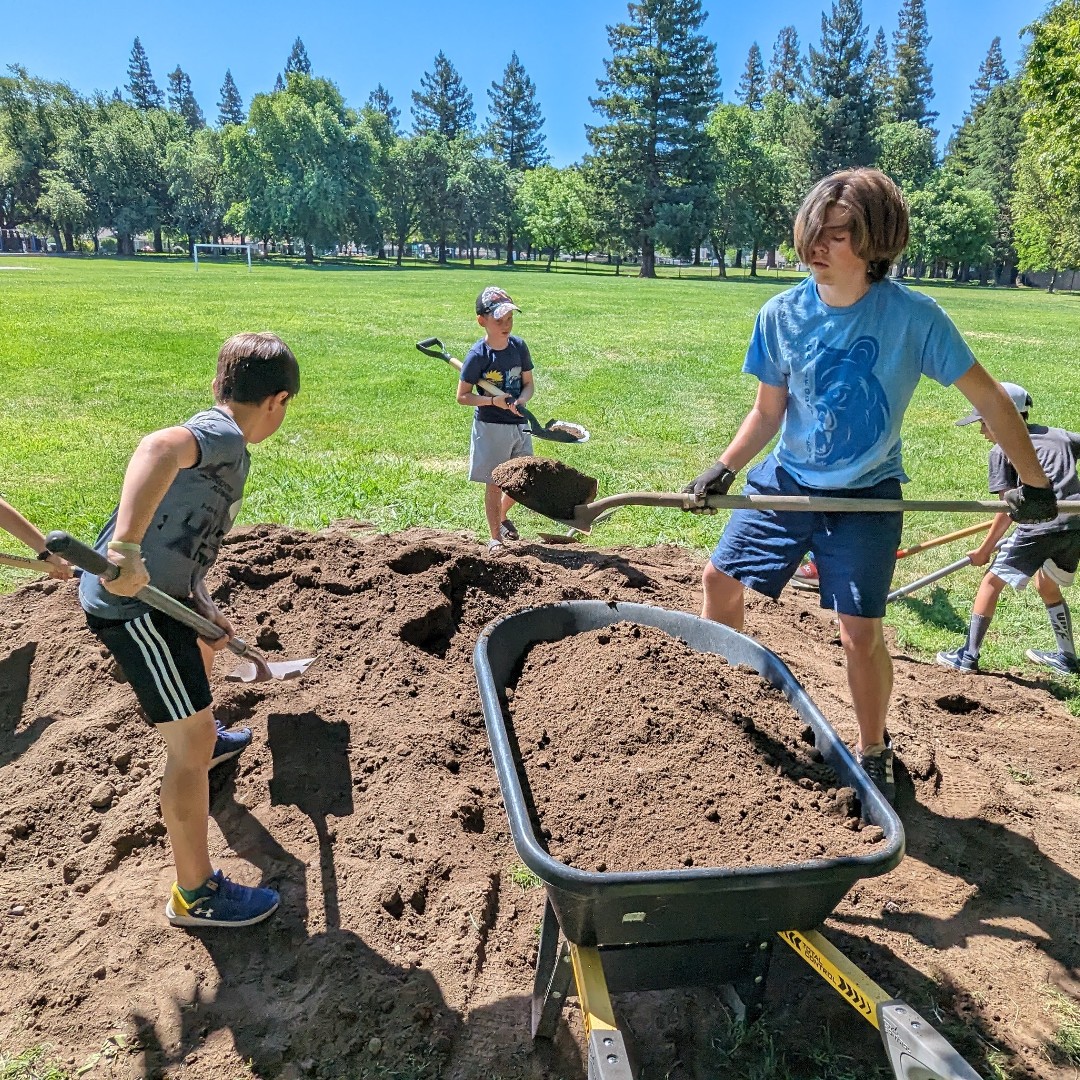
[937, 611]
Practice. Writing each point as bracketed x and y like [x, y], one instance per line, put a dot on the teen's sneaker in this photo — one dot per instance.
[879, 767]
[806, 577]
[230, 744]
[1056, 661]
[959, 660]
[222, 903]
[508, 531]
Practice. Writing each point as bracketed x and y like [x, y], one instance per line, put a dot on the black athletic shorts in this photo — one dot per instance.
[161, 659]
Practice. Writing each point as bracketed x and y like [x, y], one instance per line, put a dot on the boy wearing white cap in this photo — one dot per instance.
[1048, 551]
[498, 430]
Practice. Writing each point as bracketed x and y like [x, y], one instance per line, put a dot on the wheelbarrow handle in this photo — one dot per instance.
[93, 562]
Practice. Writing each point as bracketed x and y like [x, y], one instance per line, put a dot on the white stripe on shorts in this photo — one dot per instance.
[160, 664]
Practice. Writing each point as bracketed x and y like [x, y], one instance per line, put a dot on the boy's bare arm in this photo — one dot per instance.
[11, 521]
[527, 387]
[152, 468]
[1010, 431]
[756, 431]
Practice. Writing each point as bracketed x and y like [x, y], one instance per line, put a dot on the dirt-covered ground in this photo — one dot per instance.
[407, 934]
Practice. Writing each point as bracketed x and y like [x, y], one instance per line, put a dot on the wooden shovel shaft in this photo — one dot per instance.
[926, 545]
[24, 564]
[587, 513]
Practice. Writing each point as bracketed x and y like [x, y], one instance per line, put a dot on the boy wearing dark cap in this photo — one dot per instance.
[1047, 551]
[498, 429]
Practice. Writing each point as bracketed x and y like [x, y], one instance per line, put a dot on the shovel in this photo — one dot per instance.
[256, 667]
[24, 564]
[929, 579]
[582, 516]
[554, 430]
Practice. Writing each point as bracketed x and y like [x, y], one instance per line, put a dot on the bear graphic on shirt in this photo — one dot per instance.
[848, 401]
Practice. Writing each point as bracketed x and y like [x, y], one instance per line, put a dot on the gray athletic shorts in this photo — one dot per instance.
[492, 444]
[1021, 556]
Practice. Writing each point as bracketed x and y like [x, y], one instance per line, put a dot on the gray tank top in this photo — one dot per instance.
[197, 511]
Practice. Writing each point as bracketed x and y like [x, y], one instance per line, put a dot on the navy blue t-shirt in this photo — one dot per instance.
[504, 368]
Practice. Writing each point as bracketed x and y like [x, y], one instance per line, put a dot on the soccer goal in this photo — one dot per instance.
[222, 250]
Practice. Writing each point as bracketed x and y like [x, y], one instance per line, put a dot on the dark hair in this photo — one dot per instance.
[253, 367]
[876, 215]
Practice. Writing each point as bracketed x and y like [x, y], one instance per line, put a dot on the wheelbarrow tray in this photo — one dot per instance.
[658, 907]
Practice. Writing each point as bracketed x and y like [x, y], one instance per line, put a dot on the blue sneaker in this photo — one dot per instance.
[222, 902]
[1056, 661]
[959, 660]
[230, 744]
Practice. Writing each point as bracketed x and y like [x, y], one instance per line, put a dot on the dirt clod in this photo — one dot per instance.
[547, 486]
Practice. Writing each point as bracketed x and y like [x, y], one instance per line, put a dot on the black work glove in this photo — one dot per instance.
[715, 480]
[1028, 505]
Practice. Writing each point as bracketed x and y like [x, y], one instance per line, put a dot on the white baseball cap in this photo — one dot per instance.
[1020, 398]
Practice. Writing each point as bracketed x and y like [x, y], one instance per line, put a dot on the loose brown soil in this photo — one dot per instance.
[687, 759]
[549, 487]
[404, 945]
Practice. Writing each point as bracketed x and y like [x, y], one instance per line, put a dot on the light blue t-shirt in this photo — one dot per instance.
[850, 373]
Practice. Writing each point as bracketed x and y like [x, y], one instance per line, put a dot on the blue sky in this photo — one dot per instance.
[360, 43]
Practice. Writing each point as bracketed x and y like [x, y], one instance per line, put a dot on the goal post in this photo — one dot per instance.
[221, 249]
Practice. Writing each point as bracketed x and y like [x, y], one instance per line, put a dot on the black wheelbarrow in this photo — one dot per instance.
[701, 926]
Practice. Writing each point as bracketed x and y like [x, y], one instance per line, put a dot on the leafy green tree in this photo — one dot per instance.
[302, 167]
[1051, 87]
[298, 61]
[443, 104]
[912, 85]
[1047, 226]
[786, 74]
[992, 72]
[752, 85]
[182, 99]
[554, 209]
[478, 192]
[840, 112]
[380, 101]
[67, 201]
[907, 153]
[660, 85]
[231, 105]
[398, 189]
[434, 160]
[951, 224]
[195, 170]
[144, 92]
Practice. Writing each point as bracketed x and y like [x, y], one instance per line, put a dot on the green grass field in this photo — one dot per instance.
[96, 353]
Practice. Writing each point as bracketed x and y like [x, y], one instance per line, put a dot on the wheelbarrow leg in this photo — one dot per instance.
[608, 1059]
[553, 974]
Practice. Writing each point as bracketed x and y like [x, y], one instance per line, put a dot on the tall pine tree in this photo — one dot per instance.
[752, 86]
[443, 104]
[380, 101]
[298, 59]
[182, 99]
[786, 75]
[912, 86]
[514, 119]
[879, 74]
[992, 72]
[279, 84]
[144, 92]
[841, 113]
[660, 85]
[231, 105]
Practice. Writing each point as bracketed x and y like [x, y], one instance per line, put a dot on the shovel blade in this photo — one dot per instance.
[249, 672]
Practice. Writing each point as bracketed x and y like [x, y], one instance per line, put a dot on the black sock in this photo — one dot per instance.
[976, 632]
[1061, 622]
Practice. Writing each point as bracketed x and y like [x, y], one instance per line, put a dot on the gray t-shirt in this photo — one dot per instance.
[1057, 451]
[197, 511]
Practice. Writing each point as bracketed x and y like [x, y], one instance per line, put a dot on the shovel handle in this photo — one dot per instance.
[93, 562]
[24, 564]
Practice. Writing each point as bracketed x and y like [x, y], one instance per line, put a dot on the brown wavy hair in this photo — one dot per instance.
[253, 367]
[877, 216]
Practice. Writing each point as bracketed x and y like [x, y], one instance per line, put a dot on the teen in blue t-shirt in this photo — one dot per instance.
[837, 360]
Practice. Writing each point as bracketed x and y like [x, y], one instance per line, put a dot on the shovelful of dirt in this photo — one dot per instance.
[547, 486]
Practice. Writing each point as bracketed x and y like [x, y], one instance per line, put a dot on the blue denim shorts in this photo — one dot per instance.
[855, 553]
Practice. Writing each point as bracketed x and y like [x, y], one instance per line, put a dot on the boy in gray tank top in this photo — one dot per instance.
[1047, 551]
[182, 491]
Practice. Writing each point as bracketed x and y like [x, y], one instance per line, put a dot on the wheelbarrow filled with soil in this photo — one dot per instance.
[683, 802]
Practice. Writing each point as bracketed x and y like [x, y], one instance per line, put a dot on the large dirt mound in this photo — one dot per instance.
[406, 938]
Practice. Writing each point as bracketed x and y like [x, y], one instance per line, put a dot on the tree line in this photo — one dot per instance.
[671, 166]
